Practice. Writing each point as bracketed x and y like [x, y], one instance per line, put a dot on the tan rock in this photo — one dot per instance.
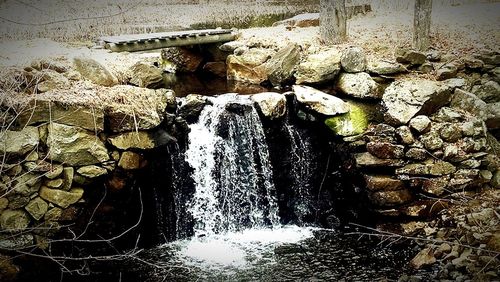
[130, 160]
[61, 198]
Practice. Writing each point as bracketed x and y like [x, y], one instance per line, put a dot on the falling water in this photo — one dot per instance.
[301, 171]
[231, 169]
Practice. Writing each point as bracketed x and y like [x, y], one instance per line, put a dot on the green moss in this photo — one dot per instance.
[352, 123]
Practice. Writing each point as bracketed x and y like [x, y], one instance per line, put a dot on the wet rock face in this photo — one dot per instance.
[192, 106]
[183, 59]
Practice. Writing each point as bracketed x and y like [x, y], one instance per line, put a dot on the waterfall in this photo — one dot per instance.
[301, 171]
[231, 169]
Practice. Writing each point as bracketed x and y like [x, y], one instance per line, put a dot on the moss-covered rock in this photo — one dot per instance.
[352, 123]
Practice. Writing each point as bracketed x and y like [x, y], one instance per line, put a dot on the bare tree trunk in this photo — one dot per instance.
[333, 19]
[422, 24]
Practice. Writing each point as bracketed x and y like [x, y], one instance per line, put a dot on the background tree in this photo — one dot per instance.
[333, 20]
[422, 24]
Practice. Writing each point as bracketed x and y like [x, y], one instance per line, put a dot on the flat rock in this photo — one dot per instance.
[383, 183]
[92, 171]
[319, 68]
[390, 198]
[385, 150]
[319, 101]
[382, 67]
[137, 139]
[75, 146]
[130, 161]
[368, 160]
[60, 197]
[407, 98]
[424, 258]
[359, 85]
[37, 208]
[410, 57]
[271, 104]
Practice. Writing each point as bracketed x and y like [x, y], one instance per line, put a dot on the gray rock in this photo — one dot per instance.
[405, 136]
[390, 198]
[420, 123]
[473, 64]
[75, 146]
[37, 208]
[319, 101]
[271, 104]
[94, 71]
[382, 67]
[385, 150]
[14, 220]
[146, 75]
[130, 161]
[138, 140]
[368, 160]
[410, 57]
[404, 99]
[353, 60]
[359, 85]
[426, 68]
[19, 142]
[41, 111]
[319, 68]
[281, 65]
[92, 171]
[231, 46]
[417, 154]
[446, 71]
[383, 183]
[61, 198]
[488, 92]
[249, 67]
[451, 133]
[432, 141]
[27, 184]
[52, 80]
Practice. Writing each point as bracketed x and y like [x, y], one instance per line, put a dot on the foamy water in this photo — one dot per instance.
[238, 249]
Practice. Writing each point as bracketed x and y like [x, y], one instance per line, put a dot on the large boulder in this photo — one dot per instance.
[352, 123]
[41, 111]
[19, 142]
[183, 59]
[61, 198]
[75, 146]
[319, 101]
[406, 98]
[359, 85]
[271, 104]
[281, 66]
[318, 68]
[353, 60]
[146, 75]
[249, 67]
[94, 71]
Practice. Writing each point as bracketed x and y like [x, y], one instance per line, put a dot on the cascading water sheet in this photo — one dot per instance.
[231, 169]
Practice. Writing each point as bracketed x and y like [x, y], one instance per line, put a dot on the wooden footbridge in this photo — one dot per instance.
[149, 41]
